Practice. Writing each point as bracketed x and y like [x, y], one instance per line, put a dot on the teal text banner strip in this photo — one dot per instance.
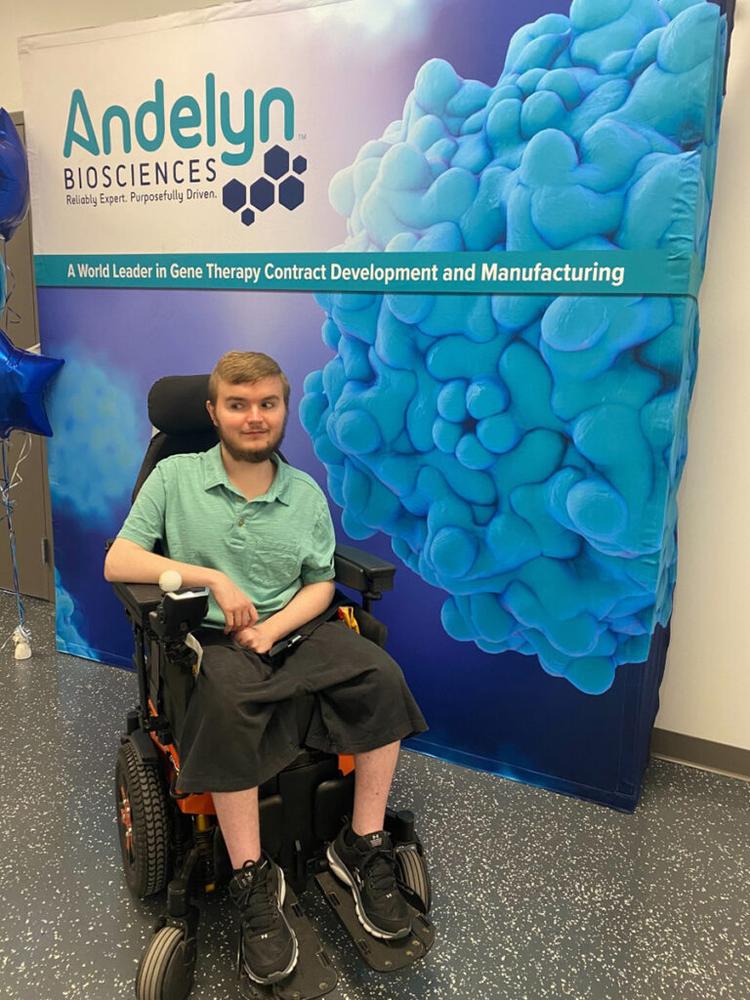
[650, 272]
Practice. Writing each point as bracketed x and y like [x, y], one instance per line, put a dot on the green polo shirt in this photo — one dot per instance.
[270, 547]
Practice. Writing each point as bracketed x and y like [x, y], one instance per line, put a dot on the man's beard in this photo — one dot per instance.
[256, 455]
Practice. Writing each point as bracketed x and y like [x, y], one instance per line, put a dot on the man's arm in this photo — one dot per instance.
[128, 562]
[307, 603]
[312, 598]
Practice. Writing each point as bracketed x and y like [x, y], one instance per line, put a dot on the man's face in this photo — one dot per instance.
[250, 418]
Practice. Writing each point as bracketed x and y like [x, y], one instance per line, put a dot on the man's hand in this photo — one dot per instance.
[258, 638]
[239, 610]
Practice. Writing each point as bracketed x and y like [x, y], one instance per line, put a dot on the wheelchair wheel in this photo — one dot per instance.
[167, 967]
[142, 821]
[414, 877]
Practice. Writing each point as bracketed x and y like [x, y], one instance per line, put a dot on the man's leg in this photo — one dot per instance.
[373, 775]
[269, 945]
[362, 855]
[237, 813]
[362, 692]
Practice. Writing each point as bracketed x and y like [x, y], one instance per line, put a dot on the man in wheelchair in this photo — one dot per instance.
[258, 534]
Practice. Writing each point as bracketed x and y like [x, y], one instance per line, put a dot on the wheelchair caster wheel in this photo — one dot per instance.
[414, 877]
[167, 967]
[142, 822]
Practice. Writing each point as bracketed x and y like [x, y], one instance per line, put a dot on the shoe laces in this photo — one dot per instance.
[256, 899]
[379, 870]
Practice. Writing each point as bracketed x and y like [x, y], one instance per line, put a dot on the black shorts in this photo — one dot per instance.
[241, 725]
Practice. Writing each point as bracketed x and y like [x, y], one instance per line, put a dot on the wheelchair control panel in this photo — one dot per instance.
[179, 613]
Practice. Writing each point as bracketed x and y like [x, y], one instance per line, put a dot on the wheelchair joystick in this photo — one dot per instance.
[180, 611]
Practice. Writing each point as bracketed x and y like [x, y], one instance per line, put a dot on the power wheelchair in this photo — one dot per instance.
[173, 841]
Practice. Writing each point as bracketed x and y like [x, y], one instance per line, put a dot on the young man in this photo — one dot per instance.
[258, 534]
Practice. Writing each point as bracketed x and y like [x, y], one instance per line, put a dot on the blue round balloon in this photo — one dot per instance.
[14, 177]
[23, 378]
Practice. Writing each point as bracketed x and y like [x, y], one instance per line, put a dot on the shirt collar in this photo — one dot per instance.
[214, 474]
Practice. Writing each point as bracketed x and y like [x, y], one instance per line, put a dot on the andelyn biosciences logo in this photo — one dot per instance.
[115, 143]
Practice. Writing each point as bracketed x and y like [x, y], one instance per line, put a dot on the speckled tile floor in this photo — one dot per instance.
[536, 895]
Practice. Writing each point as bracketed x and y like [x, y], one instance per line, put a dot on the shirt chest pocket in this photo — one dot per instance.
[274, 567]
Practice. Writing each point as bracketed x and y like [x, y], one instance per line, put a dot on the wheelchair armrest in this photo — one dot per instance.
[361, 571]
[139, 599]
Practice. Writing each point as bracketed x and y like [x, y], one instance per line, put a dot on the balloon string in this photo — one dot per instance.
[8, 505]
[13, 318]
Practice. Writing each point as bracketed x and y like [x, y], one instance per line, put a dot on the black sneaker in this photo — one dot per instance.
[368, 866]
[269, 945]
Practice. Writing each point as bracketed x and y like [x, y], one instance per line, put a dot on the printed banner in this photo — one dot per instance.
[472, 234]
[654, 272]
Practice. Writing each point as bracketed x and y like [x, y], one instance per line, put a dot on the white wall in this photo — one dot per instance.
[706, 691]
[36, 17]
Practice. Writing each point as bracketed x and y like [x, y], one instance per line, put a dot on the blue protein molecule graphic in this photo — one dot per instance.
[523, 452]
[93, 415]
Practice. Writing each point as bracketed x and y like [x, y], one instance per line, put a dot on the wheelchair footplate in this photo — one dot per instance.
[379, 954]
[313, 976]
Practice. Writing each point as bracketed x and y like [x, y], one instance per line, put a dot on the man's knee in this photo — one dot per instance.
[387, 675]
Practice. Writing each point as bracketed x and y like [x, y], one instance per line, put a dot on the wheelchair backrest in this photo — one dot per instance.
[177, 410]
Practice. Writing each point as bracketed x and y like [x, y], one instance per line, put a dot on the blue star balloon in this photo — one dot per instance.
[14, 177]
[23, 379]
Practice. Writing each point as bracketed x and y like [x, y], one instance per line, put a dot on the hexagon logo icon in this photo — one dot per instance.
[291, 193]
[279, 184]
[262, 194]
[276, 162]
[234, 195]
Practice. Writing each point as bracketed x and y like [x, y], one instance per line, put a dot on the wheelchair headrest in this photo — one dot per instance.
[177, 404]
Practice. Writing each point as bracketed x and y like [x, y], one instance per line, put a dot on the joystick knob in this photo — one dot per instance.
[170, 581]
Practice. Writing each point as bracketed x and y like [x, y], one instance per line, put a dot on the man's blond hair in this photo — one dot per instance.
[236, 367]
